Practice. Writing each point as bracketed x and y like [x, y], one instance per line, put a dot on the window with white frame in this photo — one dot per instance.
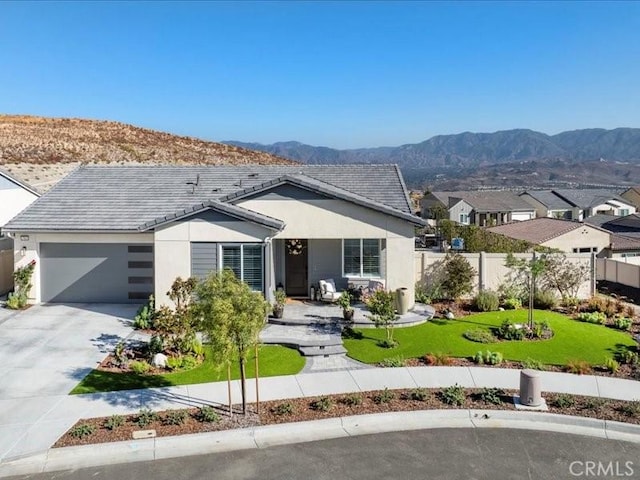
[623, 212]
[361, 257]
[464, 218]
[246, 261]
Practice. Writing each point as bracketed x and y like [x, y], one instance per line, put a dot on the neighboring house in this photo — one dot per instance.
[564, 235]
[624, 248]
[596, 201]
[548, 204]
[632, 195]
[117, 234]
[628, 226]
[14, 197]
[483, 208]
[577, 204]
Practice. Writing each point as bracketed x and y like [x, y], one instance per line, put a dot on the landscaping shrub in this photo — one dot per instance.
[611, 307]
[631, 409]
[562, 400]
[544, 299]
[139, 367]
[579, 367]
[438, 359]
[458, 276]
[386, 343]
[82, 430]
[323, 404]
[611, 365]
[594, 404]
[113, 422]
[16, 301]
[207, 414]
[282, 409]
[352, 400]
[596, 304]
[488, 357]
[174, 363]
[629, 357]
[397, 361]
[512, 303]
[22, 281]
[144, 316]
[570, 302]
[622, 323]
[453, 395]
[509, 331]
[592, 317]
[418, 394]
[175, 417]
[189, 362]
[155, 345]
[480, 336]
[384, 397]
[145, 417]
[486, 301]
[428, 294]
[491, 395]
[533, 364]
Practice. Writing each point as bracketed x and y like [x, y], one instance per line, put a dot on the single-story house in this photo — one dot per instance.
[564, 235]
[548, 204]
[632, 195]
[482, 207]
[117, 234]
[596, 201]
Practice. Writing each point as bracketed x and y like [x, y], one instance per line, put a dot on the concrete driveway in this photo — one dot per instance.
[44, 352]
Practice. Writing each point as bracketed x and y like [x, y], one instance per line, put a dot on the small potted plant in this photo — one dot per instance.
[345, 302]
[280, 299]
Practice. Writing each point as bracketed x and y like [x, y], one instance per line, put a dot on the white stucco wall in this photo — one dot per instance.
[583, 237]
[172, 248]
[13, 201]
[32, 246]
[340, 219]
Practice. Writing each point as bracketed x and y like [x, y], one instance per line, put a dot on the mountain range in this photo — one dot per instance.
[579, 157]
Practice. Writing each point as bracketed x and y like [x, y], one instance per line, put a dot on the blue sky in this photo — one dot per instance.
[340, 74]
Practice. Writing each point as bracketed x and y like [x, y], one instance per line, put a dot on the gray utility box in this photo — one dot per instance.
[530, 390]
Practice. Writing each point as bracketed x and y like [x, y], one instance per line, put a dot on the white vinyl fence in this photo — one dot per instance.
[618, 272]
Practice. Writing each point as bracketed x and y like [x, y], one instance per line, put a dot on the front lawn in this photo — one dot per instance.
[572, 340]
[274, 360]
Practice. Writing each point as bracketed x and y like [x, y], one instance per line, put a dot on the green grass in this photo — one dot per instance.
[572, 340]
[274, 360]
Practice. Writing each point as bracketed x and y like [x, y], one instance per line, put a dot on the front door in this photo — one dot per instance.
[296, 268]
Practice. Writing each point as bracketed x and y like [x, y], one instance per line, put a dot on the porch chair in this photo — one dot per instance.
[328, 291]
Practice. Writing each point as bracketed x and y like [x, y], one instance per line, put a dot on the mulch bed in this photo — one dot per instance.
[305, 409]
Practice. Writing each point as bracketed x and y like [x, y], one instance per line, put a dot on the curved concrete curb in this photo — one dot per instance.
[289, 433]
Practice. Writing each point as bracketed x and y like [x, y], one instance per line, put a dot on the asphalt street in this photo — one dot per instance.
[427, 454]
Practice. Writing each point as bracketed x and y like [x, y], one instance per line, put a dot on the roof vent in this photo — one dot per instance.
[238, 183]
[214, 190]
[253, 175]
[194, 184]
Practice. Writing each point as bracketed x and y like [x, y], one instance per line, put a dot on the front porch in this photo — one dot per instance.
[308, 312]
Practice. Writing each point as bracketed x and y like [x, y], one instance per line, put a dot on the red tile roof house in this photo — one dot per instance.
[116, 234]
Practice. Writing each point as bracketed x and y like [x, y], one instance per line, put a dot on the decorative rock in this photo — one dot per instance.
[450, 315]
[159, 360]
[501, 309]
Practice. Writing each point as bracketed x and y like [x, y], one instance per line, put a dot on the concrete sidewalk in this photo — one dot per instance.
[43, 429]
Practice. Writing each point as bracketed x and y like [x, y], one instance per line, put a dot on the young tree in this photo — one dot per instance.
[381, 305]
[565, 276]
[458, 276]
[231, 316]
[528, 272]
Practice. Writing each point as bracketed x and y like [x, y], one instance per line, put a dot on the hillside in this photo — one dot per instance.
[41, 150]
[567, 158]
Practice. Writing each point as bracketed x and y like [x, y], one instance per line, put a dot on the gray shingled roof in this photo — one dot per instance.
[549, 199]
[487, 200]
[126, 198]
[586, 198]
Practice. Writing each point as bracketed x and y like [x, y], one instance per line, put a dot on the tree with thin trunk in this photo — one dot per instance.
[231, 316]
